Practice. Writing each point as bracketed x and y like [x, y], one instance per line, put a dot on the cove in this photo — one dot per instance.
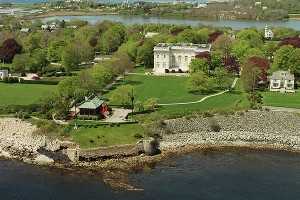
[210, 175]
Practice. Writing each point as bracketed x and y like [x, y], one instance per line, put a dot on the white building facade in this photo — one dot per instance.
[176, 57]
[269, 33]
[282, 81]
[3, 74]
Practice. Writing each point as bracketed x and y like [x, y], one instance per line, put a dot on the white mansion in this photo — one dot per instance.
[176, 57]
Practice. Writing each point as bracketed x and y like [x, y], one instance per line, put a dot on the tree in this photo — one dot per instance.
[223, 44]
[193, 36]
[293, 41]
[199, 65]
[20, 62]
[222, 78]
[262, 64]
[9, 49]
[250, 77]
[32, 42]
[39, 59]
[214, 36]
[252, 36]
[121, 63]
[239, 48]
[287, 58]
[112, 39]
[269, 49]
[71, 57]
[55, 50]
[145, 53]
[102, 75]
[200, 82]
[122, 95]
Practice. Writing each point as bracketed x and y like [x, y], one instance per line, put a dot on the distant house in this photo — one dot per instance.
[49, 27]
[282, 81]
[269, 33]
[25, 30]
[94, 107]
[151, 34]
[3, 74]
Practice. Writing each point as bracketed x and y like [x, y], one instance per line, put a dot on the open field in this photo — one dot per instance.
[282, 100]
[106, 135]
[168, 89]
[23, 94]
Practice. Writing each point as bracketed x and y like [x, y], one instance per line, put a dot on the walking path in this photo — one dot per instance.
[203, 99]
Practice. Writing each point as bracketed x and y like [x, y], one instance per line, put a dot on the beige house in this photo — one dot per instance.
[176, 57]
[282, 81]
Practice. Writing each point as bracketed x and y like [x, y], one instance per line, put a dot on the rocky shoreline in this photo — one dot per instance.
[253, 130]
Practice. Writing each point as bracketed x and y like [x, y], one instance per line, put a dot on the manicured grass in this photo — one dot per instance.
[225, 102]
[141, 69]
[282, 100]
[23, 94]
[168, 89]
[107, 136]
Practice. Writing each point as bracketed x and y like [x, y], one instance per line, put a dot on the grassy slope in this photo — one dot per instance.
[107, 136]
[23, 94]
[168, 89]
[282, 100]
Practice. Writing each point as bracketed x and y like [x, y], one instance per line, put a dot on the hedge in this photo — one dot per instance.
[42, 82]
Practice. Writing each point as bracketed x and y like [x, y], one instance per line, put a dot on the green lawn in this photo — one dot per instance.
[23, 94]
[106, 135]
[282, 100]
[168, 89]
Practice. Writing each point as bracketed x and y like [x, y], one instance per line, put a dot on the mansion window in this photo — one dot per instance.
[157, 56]
[186, 58]
[164, 55]
[179, 59]
[164, 65]
[157, 65]
[275, 85]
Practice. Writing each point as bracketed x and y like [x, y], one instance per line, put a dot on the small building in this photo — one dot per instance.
[282, 81]
[3, 74]
[176, 57]
[94, 107]
[269, 33]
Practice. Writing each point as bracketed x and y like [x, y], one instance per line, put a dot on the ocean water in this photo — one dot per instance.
[229, 175]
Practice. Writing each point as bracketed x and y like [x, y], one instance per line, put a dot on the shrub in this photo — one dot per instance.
[207, 114]
[43, 82]
[11, 80]
[138, 136]
[214, 125]
[150, 104]
[167, 71]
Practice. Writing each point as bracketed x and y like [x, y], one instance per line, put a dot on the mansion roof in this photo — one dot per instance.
[182, 46]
